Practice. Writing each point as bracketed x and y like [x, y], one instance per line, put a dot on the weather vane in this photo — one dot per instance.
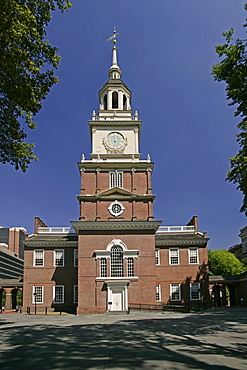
[113, 37]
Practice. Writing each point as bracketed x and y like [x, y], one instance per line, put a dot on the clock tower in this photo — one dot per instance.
[116, 228]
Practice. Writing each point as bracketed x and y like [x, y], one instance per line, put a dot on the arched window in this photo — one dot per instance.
[105, 102]
[124, 102]
[115, 100]
[116, 261]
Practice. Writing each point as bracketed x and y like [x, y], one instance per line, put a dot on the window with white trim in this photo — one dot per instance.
[58, 294]
[103, 267]
[174, 256]
[76, 257]
[38, 294]
[193, 255]
[195, 291]
[38, 258]
[116, 261]
[130, 267]
[58, 257]
[116, 179]
[175, 292]
[157, 256]
[158, 292]
[75, 293]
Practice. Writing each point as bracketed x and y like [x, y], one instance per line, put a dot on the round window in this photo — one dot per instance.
[116, 208]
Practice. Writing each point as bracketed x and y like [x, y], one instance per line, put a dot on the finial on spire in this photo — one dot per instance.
[113, 37]
[114, 72]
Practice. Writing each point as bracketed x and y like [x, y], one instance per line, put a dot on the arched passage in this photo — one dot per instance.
[232, 294]
[216, 294]
[2, 298]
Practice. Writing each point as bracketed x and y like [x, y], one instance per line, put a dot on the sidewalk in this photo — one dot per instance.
[214, 339]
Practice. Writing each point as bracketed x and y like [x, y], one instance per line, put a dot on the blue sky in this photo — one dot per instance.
[166, 50]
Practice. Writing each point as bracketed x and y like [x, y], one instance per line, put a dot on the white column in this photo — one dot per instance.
[136, 140]
[93, 140]
[109, 100]
[120, 100]
[109, 298]
[126, 298]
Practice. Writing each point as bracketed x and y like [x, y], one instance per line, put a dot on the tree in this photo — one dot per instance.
[27, 73]
[233, 71]
[222, 262]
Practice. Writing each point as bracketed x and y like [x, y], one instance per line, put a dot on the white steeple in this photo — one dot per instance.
[114, 71]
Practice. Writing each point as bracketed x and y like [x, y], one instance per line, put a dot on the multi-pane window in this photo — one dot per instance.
[157, 256]
[175, 292]
[174, 256]
[116, 261]
[58, 294]
[38, 258]
[195, 291]
[75, 293]
[58, 257]
[38, 294]
[193, 255]
[158, 292]
[130, 266]
[75, 257]
[116, 179]
[103, 267]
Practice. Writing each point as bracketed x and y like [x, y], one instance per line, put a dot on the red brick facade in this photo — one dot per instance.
[123, 253]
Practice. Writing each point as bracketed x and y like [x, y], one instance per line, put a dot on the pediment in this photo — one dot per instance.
[116, 192]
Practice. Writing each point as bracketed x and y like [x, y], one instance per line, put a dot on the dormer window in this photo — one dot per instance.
[115, 100]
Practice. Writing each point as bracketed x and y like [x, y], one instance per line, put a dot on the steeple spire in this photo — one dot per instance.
[114, 72]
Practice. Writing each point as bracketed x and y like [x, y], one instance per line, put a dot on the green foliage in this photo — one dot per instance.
[27, 73]
[3, 298]
[19, 298]
[222, 262]
[233, 71]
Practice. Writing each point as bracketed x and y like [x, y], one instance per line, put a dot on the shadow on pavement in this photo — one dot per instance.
[190, 341]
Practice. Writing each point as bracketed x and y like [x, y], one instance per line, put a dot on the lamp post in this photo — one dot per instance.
[35, 302]
[199, 291]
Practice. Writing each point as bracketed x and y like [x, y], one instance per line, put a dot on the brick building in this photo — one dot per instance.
[11, 265]
[116, 255]
[240, 250]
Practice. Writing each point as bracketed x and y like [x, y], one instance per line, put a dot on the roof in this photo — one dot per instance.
[11, 282]
[227, 278]
[51, 239]
[181, 238]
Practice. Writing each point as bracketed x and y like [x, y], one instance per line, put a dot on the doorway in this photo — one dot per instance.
[117, 295]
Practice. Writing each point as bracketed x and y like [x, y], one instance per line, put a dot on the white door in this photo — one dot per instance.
[117, 301]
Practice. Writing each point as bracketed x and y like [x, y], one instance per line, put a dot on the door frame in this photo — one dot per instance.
[118, 286]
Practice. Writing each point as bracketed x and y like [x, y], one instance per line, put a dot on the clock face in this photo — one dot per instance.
[115, 140]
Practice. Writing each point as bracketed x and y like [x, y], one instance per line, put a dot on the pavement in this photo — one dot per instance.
[213, 339]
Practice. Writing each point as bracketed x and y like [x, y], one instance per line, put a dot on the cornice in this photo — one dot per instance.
[180, 242]
[127, 166]
[49, 243]
[114, 122]
[138, 198]
[115, 225]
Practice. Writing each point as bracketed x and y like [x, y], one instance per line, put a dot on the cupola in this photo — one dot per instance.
[115, 94]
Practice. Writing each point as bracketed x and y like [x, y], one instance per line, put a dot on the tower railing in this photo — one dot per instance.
[176, 229]
[114, 118]
[56, 230]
